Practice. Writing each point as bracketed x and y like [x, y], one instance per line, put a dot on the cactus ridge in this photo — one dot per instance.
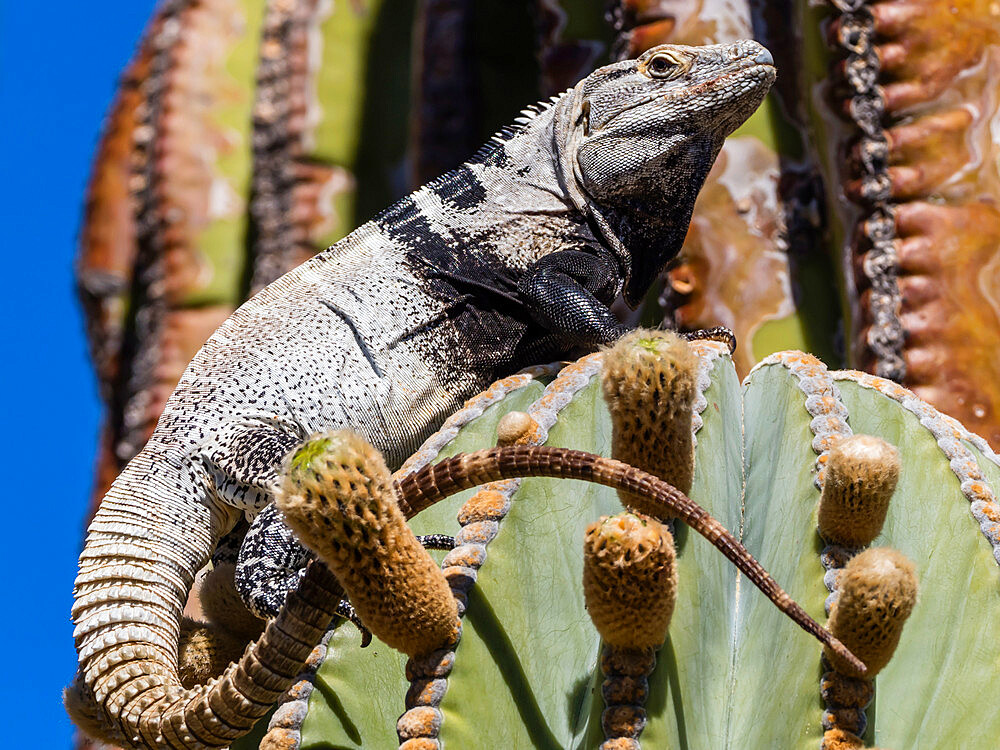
[950, 436]
[844, 720]
[481, 515]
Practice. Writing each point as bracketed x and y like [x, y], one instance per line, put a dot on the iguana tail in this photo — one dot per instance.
[155, 529]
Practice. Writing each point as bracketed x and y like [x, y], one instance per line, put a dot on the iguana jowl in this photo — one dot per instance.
[511, 259]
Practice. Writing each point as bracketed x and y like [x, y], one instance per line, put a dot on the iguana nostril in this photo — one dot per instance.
[764, 57]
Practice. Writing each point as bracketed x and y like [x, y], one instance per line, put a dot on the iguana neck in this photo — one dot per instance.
[509, 202]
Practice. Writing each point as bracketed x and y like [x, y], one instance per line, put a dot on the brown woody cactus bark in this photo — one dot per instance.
[910, 102]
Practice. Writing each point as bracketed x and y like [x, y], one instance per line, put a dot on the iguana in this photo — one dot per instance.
[511, 259]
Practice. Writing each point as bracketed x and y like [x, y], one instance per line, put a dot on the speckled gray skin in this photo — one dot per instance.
[511, 259]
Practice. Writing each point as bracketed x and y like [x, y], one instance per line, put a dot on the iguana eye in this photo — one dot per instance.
[663, 65]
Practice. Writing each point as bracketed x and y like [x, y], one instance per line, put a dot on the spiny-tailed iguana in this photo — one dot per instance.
[509, 260]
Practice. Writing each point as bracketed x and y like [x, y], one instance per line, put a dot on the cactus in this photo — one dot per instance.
[732, 672]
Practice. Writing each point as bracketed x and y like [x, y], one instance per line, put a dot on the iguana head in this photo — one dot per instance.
[641, 136]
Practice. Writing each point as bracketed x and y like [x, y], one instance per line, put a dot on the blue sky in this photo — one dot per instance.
[59, 63]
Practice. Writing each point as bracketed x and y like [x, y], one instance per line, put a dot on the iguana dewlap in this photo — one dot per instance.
[509, 260]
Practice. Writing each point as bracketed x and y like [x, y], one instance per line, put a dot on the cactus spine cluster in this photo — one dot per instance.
[338, 497]
[649, 380]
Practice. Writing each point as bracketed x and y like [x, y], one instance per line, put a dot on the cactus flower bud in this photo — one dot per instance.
[630, 580]
[338, 499]
[861, 475]
[649, 381]
[877, 592]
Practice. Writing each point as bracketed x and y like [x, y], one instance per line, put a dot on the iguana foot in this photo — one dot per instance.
[346, 610]
[716, 333]
[437, 541]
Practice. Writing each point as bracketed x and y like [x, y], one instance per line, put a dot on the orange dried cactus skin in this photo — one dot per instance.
[912, 102]
[861, 475]
[630, 580]
[339, 500]
[650, 383]
[877, 591]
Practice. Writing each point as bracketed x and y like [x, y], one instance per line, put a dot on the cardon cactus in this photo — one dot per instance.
[733, 672]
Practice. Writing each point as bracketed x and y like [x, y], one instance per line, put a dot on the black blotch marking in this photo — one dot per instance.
[491, 155]
[357, 336]
[611, 75]
[406, 225]
[400, 212]
[460, 188]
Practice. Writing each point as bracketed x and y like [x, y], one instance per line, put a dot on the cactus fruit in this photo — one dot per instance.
[204, 651]
[861, 475]
[877, 593]
[630, 586]
[630, 580]
[338, 498]
[649, 384]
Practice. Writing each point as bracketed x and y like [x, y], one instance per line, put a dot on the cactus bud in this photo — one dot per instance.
[838, 739]
[876, 593]
[516, 428]
[630, 580]
[649, 381]
[861, 475]
[338, 498]
[204, 651]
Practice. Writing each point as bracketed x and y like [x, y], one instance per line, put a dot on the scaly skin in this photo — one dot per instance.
[510, 259]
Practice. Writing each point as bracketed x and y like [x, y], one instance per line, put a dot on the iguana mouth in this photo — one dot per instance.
[697, 89]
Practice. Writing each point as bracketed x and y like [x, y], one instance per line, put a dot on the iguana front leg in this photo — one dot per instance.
[271, 563]
[568, 292]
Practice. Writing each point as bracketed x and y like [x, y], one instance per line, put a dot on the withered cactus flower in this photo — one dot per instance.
[339, 499]
[861, 475]
[630, 580]
[649, 379]
[630, 588]
[204, 651]
[516, 428]
[877, 592]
